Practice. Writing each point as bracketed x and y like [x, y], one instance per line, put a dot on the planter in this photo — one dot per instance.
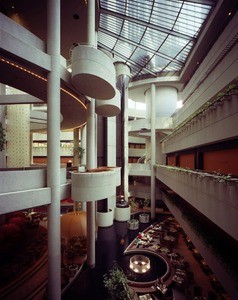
[93, 185]
[105, 219]
[133, 224]
[81, 168]
[122, 214]
[144, 218]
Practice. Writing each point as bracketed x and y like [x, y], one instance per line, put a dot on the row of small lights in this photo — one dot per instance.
[39, 77]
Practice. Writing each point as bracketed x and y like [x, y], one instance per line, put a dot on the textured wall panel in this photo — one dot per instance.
[18, 135]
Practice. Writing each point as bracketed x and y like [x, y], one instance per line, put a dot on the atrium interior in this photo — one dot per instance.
[119, 140]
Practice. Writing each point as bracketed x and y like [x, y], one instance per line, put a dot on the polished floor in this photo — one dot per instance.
[110, 245]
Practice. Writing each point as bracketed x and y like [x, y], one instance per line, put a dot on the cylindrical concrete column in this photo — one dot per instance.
[161, 103]
[76, 144]
[111, 153]
[53, 150]
[153, 144]
[91, 34]
[83, 135]
[126, 146]
[123, 77]
[91, 164]
[91, 145]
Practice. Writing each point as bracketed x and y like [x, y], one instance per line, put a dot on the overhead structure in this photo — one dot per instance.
[129, 30]
[109, 108]
[93, 72]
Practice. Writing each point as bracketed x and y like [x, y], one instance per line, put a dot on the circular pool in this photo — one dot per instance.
[139, 263]
[158, 267]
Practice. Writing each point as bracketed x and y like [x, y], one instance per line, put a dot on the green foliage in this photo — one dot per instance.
[139, 202]
[78, 151]
[2, 137]
[77, 246]
[116, 283]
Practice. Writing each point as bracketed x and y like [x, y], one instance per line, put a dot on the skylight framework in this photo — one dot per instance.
[153, 37]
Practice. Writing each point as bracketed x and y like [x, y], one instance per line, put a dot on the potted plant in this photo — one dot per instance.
[116, 283]
[76, 246]
[78, 152]
[133, 224]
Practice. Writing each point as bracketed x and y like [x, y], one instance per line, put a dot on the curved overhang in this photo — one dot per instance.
[28, 73]
[138, 88]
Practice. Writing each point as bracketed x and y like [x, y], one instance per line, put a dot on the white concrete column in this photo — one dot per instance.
[153, 150]
[123, 77]
[91, 161]
[83, 134]
[84, 143]
[126, 146]
[91, 145]
[76, 144]
[91, 164]
[96, 136]
[53, 150]
[111, 152]
[91, 34]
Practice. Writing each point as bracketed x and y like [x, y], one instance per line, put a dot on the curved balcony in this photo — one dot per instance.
[20, 45]
[96, 184]
[139, 169]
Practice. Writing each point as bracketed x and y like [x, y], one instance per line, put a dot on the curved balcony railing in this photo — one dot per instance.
[139, 169]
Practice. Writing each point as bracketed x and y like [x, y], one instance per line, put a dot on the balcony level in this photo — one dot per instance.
[215, 196]
[215, 121]
[23, 188]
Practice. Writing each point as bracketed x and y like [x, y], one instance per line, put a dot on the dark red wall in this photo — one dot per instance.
[171, 160]
[223, 161]
[186, 161]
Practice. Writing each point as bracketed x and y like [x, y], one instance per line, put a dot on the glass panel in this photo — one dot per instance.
[106, 40]
[124, 49]
[151, 36]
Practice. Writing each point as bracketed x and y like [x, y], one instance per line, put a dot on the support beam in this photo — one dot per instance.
[53, 151]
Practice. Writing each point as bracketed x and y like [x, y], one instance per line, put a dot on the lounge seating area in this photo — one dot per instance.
[182, 280]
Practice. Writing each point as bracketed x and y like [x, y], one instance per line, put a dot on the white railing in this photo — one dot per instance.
[139, 169]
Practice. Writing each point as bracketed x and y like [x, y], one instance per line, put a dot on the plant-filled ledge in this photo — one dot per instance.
[228, 178]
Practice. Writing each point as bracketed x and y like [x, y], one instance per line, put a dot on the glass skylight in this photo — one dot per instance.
[151, 36]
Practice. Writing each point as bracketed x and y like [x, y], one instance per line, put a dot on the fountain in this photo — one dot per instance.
[139, 264]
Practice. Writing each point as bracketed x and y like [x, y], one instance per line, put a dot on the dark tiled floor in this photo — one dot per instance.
[110, 245]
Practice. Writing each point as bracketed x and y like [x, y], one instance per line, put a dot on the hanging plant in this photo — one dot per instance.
[2, 137]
